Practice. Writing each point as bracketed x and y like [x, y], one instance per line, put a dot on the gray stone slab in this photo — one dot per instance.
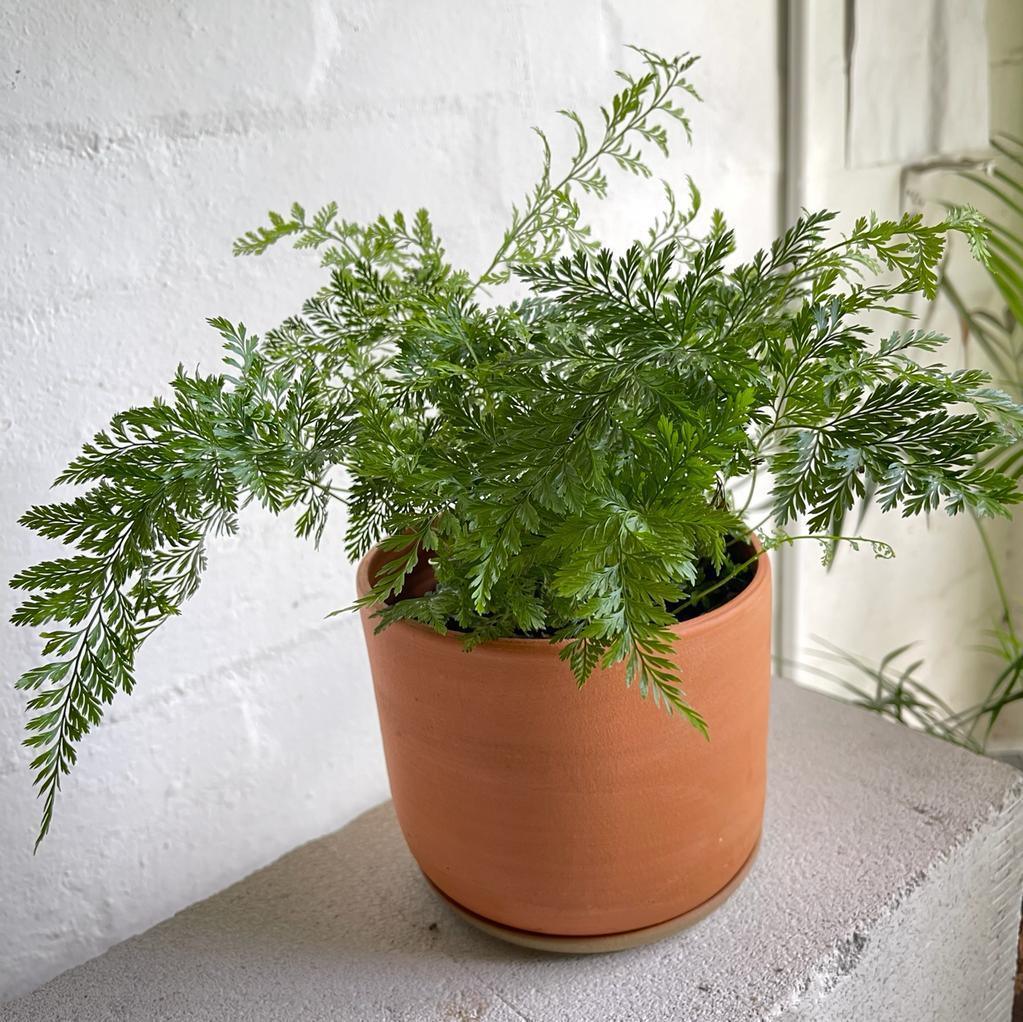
[888, 887]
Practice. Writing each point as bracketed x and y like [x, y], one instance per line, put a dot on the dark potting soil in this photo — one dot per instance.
[737, 552]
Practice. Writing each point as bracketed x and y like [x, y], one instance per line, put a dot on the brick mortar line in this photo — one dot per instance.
[172, 693]
[42, 138]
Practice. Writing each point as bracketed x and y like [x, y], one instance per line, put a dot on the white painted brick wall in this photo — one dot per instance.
[136, 140]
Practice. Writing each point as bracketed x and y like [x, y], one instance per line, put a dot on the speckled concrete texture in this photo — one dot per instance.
[888, 888]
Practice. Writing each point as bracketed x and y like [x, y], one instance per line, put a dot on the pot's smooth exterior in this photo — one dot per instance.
[569, 811]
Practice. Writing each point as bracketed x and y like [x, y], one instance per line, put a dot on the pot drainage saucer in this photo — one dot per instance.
[602, 943]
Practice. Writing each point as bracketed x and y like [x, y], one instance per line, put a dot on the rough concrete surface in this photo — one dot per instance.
[888, 887]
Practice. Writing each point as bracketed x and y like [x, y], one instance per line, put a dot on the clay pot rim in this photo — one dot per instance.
[522, 644]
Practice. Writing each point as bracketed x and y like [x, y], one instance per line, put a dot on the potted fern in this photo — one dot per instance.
[566, 483]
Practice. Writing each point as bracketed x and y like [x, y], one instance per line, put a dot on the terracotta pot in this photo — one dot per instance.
[546, 808]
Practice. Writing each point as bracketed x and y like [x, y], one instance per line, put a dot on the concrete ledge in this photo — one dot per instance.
[888, 887]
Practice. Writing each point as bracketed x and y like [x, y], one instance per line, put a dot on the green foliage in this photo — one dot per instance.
[566, 460]
[894, 687]
[891, 687]
[549, 218]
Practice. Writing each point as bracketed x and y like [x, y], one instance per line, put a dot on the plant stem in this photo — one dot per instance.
[996, 575]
